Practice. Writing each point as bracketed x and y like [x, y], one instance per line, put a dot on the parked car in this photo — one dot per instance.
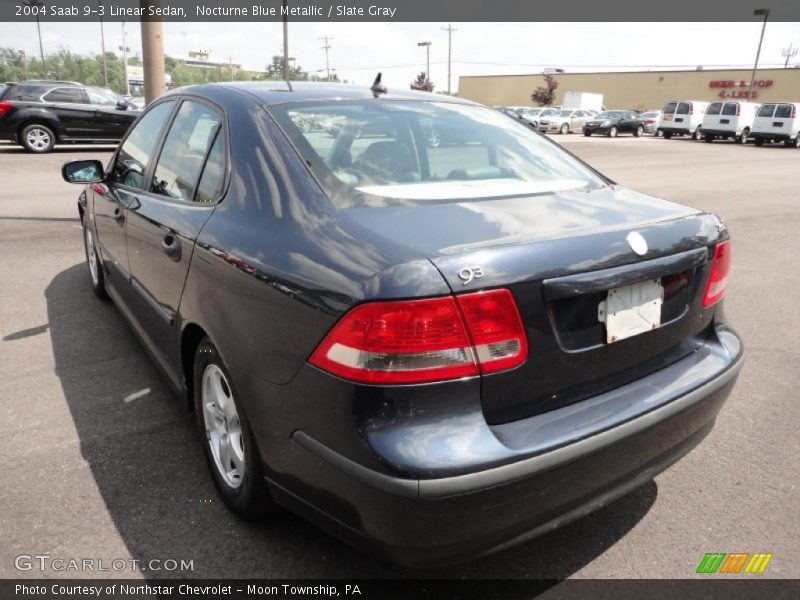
[565, 121]
[614, 122]
[650, 119]
[777, 123]
[434, 353]
[39, 114]
[729, 120]
[682, 117]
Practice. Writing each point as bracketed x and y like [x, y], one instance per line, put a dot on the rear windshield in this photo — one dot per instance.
[683, 108]
[784, 111]
[650, 115]
[714, 109]
[669, 109]
[376, 153]
[610, 114]
[730, 109]
[766, 110]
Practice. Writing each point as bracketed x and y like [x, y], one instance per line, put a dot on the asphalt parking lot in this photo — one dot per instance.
[102, 461]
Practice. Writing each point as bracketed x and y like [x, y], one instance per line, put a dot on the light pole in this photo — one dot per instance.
[103, 44]
[37, 5]
[428, 64]
[759, 12]
[125, 49]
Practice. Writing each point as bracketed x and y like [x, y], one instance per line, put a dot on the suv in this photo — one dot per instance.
[37, 114]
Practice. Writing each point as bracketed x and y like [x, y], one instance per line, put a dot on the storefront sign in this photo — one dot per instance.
[730, 86]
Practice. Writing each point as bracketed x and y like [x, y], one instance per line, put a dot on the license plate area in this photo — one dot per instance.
[631, 310]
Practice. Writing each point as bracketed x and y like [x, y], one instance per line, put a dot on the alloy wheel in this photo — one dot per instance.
[223, 427]
[91, 256]
[38, 139]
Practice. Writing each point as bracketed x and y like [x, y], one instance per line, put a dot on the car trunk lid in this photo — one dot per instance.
[560, 254]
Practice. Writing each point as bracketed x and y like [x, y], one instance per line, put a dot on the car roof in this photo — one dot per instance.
[277, 92]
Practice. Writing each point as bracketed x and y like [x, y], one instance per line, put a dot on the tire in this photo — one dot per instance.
[638, 132]
[659, 133]
[697, 135]
[564, 129]
[742, 139]
[667, 135]
[797, 140]
[759, 141]
[93, 263]
[708, 139]
[612, 132]
[37, 138]
[788, 143]
[587, 133]
[228, 442]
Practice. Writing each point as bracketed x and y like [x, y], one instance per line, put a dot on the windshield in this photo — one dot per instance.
[374, 153]
[565, 113]
[609, 114]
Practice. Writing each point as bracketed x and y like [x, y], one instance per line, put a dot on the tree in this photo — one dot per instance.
[544, 96]
[275, 70]
[422, 83]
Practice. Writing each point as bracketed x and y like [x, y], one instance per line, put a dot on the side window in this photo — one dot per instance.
[137, 151]
[729, 109]
[669, 108]
[766, 110]
[101, 97]
[783, 111]
[213, 176]
[66, 95]
[188, 141]
[714, 109]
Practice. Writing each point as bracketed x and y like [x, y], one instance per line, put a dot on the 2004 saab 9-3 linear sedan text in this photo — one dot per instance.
[432, 351]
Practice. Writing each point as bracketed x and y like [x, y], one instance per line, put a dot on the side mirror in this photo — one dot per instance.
[83, 171]
[123, 105]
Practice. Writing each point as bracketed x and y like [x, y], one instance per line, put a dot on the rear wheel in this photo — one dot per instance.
[587, 133]
[667, 135]
[742, 139]
[797, 140]
[639, 131]
[659, 132]
[697, 134]
[38, 138]
[612, 132]
[228, 441]
[709, 139]
[564, 129]
[93, 262]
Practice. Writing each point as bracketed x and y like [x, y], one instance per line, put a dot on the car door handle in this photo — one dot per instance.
[119, 216]
[171, 245]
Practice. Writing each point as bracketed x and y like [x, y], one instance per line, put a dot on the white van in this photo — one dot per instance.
[778, 122]
[682, 117]
[726, 120]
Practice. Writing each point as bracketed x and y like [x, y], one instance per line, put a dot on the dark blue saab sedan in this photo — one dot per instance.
[432, 349]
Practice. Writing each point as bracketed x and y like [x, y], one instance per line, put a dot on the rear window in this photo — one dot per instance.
[766, 110]
[669, 109]
[3, 87]
[401, 152]
[730, 109]
[714, 109]
[683, 108]
[783, 111]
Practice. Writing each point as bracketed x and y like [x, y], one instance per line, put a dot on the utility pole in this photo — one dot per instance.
[24, 62]
[759, 12]
[124, 48]
[230, 66]
[427, 46]
[789, 52]
[37, 5]
[103, 44]
[286, 41]
[327, 47]
[152, 57]
[449, 29]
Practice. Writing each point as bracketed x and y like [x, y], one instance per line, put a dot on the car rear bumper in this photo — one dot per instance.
[675, 130]
[778, 137]
[542, 472]
[719, 132]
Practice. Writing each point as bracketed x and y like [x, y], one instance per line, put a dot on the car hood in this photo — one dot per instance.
[437, 229]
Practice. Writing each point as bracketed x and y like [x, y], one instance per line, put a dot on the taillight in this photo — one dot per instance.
[718, 279]
[4, 107]
[738, 109]
[417, 341]
[794, 111]
[691, 109]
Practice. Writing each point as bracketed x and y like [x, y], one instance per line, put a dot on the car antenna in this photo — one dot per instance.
[377, 87]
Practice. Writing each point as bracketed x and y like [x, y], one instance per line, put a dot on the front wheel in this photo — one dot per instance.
[697, 135]
[564, 129]
[93, 262]
[612, 132]
[228, 441]
[587, 133]
[742, 139]
[639, 131]
[38, 138]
